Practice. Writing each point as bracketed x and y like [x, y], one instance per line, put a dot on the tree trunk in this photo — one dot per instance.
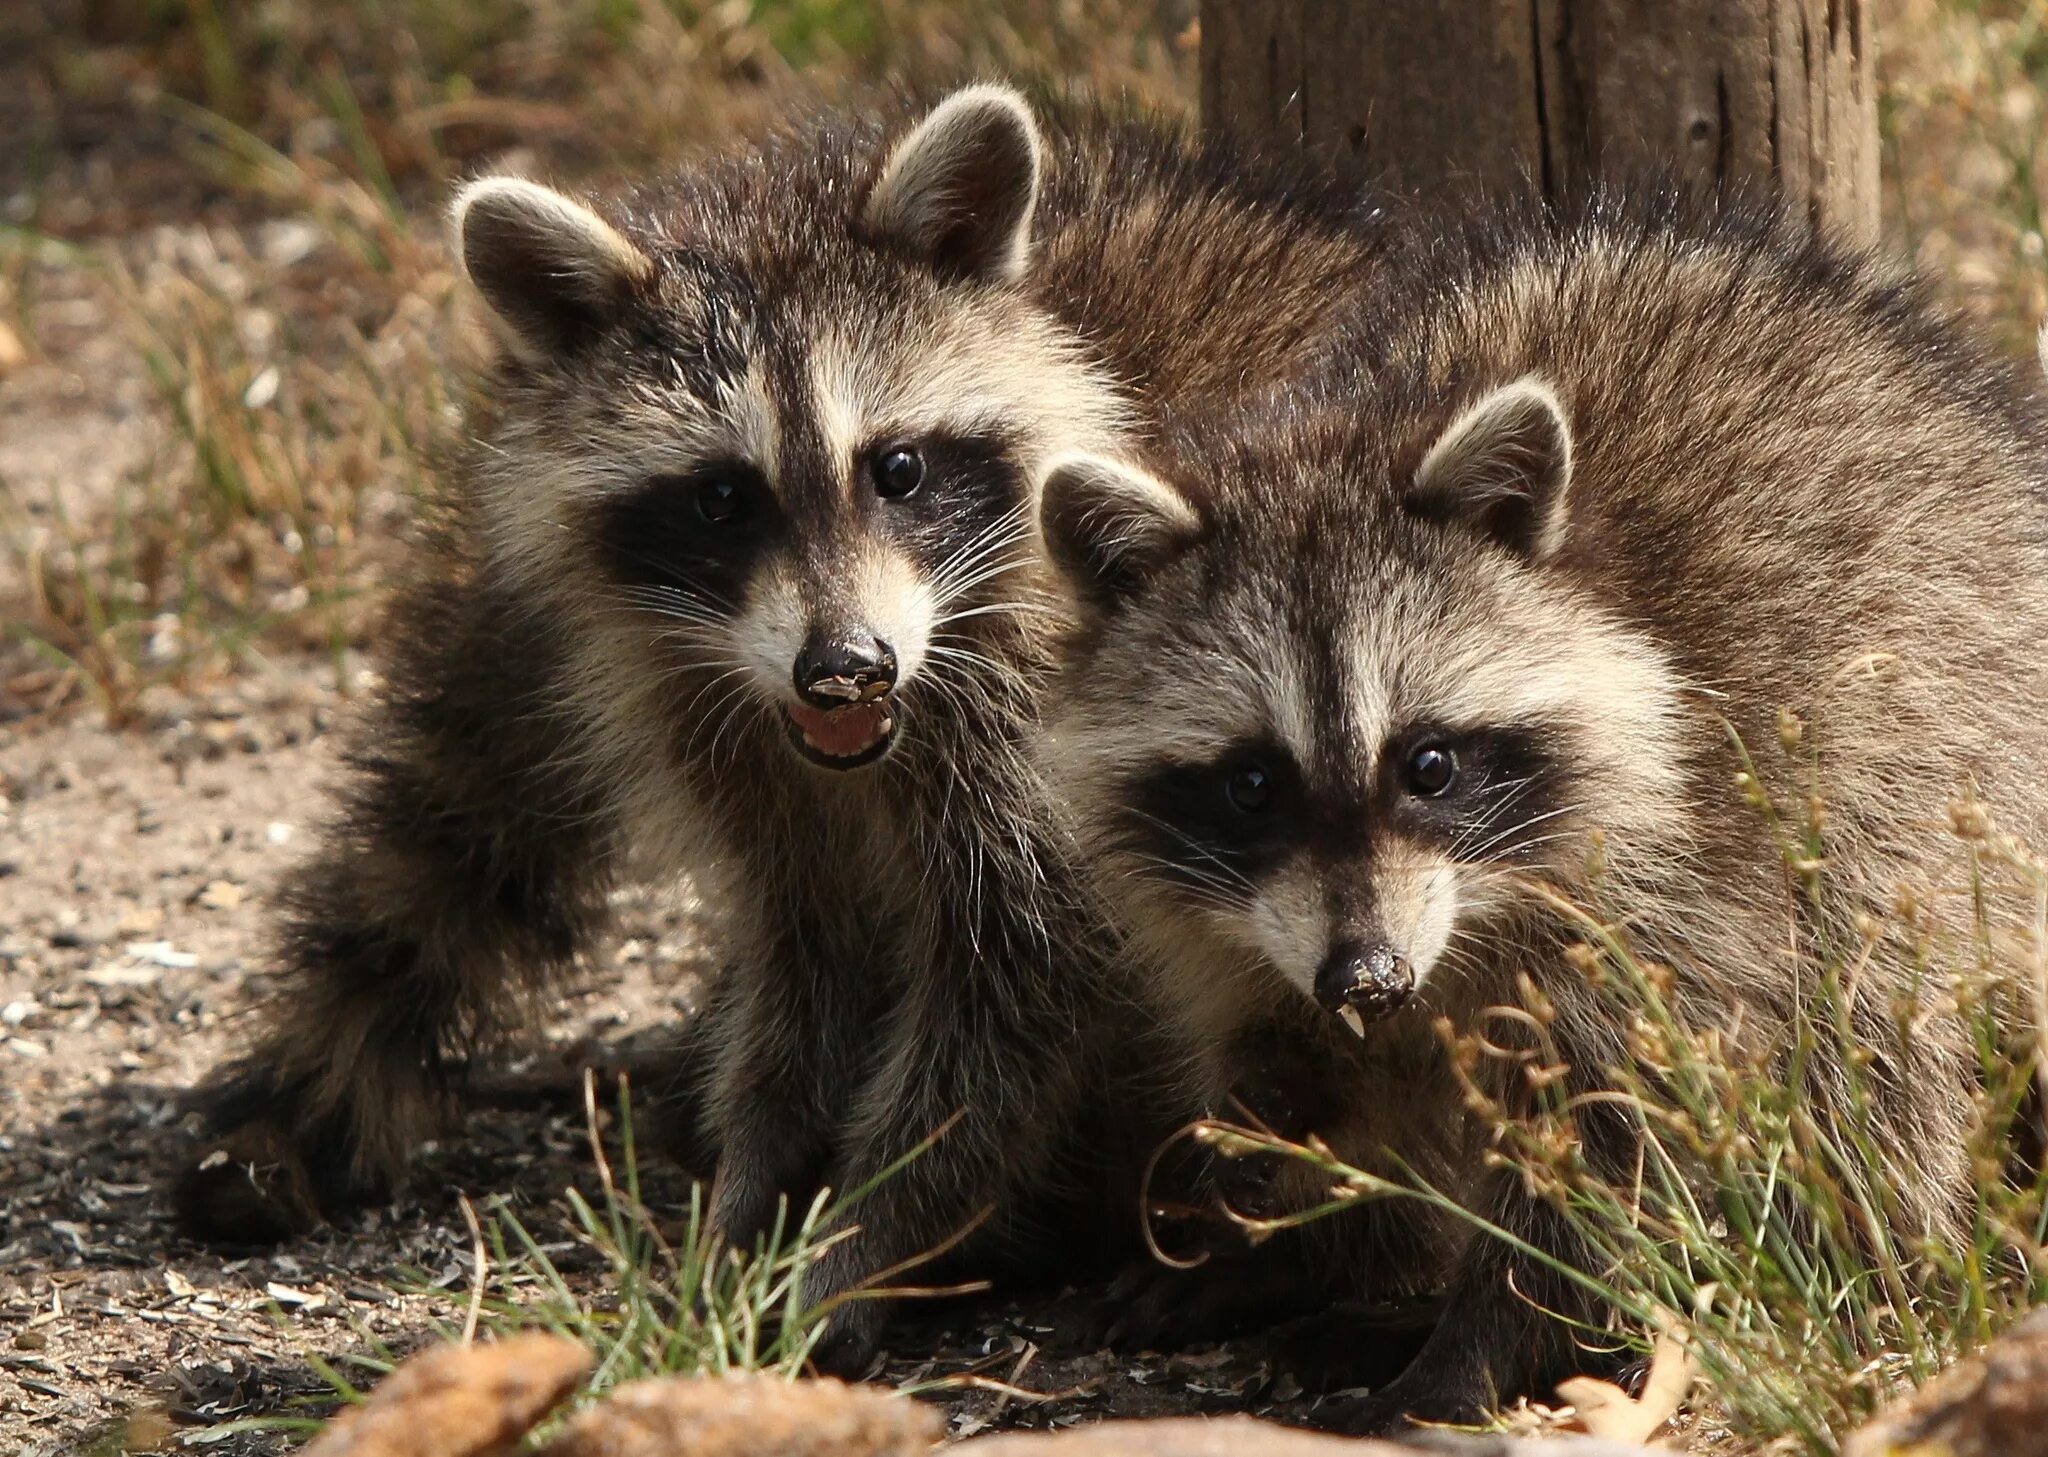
[1476, 95]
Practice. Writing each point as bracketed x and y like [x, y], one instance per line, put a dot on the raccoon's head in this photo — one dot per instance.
[1337, 698]
[773, 423]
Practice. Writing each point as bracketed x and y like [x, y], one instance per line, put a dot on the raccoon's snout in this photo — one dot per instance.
[1364, 982]
[834, 672]
[843, 717]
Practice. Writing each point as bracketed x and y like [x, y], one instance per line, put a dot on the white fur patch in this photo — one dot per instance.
[1289, 926]
[770, 629]
[891, 595]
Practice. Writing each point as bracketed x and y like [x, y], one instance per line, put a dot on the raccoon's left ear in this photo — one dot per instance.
[960, 189]
[554, 273]
[1108, 526]
[1502, 469]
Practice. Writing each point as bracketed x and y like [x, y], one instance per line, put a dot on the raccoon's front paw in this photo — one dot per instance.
[1154, 1307]
[850, 1341]
[1415, 1399]
[248, 1188]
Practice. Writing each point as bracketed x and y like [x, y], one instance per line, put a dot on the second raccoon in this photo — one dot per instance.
[1362, 666]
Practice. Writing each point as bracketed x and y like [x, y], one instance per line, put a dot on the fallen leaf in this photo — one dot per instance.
[1604, 1410]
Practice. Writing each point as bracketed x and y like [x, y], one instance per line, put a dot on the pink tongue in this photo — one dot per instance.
[842, 732]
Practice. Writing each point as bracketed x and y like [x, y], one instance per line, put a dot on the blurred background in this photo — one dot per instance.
[224, 295]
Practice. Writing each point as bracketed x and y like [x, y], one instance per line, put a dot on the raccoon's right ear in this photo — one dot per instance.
[553, 272]
[1108, 526]
[1502, 469]
[959, 191]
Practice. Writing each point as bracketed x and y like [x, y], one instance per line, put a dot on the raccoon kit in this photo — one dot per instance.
[738, 578]
[1360, 667]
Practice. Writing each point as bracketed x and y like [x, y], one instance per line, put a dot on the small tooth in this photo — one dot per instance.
[1353, 1018]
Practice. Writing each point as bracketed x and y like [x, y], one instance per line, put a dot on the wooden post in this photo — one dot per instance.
[1448, 95]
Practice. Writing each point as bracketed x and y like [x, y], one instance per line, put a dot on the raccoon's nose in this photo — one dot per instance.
[1364, 981]
[832, 672]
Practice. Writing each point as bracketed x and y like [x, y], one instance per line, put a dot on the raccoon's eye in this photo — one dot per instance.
[721, 500]
[1250, 789]
[898, 472]
[1431, 769]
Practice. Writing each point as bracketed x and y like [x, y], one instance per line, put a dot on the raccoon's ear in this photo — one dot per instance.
[1502, 469]
[1108, 526]
[960, 189]
[553, 272]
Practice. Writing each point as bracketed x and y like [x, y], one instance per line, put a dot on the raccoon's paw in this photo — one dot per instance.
[1415, 1399]
[269, 1174]
[850, 1341]
[1154, 1307]
[247, 1189]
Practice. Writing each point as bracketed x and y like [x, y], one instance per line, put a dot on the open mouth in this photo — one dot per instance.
[842, 738]
[1378, 985]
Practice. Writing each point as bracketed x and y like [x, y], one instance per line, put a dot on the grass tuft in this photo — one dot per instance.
[668, 1298]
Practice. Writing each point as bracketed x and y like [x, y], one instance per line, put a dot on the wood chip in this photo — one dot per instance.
[459, 1401]
[221, 895]
[288, 1296]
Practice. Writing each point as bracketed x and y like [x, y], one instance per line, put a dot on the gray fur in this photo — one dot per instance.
[1783, 481]
[583, 689]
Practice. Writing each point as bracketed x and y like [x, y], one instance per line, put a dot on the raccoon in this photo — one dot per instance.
[738, 579]
[1360, 668]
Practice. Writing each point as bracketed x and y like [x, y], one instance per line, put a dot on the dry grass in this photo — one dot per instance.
[245, 196]
[1965, 147]
[251, 191]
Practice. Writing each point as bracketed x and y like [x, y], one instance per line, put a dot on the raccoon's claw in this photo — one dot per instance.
[1405, 1404]
[851, 1341]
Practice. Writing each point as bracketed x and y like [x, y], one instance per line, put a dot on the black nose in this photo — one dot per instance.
[1366, 976]
[832, 672]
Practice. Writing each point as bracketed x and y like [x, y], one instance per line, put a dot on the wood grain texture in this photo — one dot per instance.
[1464, 95]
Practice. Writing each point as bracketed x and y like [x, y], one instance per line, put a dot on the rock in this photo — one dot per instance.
[1995, 1404]
[749, 1416]
[220, 895]
[459, 1401]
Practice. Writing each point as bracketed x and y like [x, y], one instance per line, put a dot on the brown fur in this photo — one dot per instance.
[1783, 480]
[581, 689]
